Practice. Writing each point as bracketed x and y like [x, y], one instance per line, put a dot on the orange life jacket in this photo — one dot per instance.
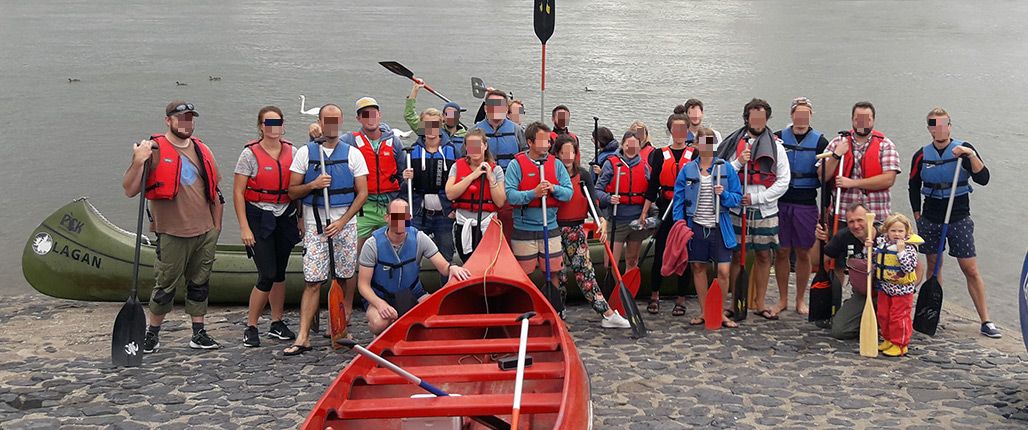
[469, 199]
[871, 162]
[632, 188]
[163, 181]
[669, 170]
[530, 175]
[271, 183]
[576, 209]
[383, 173]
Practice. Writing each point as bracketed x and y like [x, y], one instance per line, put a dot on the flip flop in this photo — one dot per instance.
[766, 314]
[296, 350]
[697, 321]
[729, 324]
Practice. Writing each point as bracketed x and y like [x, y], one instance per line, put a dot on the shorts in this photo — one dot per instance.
[529, 246]
[960, 237]
[183, 262]
[707, 245]
[315, 254]
[372, 219]
[796, 224]
[762, 234]
[625, 233]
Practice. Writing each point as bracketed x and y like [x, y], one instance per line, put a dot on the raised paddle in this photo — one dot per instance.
[1022, 301]
[551, 293]
[489, 421]
[519, 379]
[544, 23]
[741, 294]
[868, 320]
[713, 306]
[399, 69]
[929, 299]
[336, 298]
[631, 310]
[130, 324]
[633, 277]
[820, 297]
[478, 88]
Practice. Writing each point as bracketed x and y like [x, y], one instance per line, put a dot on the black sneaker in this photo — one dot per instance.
[151, 342]
[201, 340]
[279, 330]
[250, 337]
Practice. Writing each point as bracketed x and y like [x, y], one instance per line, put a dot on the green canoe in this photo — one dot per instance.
[77, 254]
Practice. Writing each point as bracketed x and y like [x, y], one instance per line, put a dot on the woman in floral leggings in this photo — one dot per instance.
[571, 217]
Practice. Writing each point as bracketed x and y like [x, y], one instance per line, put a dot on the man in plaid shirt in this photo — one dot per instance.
[870, 163]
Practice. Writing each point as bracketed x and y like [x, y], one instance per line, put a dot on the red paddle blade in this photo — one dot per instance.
[336, 313]
[712, 307]
[631, 279]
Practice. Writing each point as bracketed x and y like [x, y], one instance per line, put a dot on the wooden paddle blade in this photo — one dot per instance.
[631, 311]
[631, 280]
[929, 307]
[336, 313]
[740, 296]
[712, 307]
[397, 68]
[1022, 299]
[129, 330]
[868, 329]
[477, 88]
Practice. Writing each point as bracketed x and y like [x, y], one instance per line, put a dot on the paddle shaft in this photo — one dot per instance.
[606, 246]
[542, 89]
[328, 217]
[481, 202]
[663, 219]
[745, 208]
[717, 196]
[868, 324]
[139, 230]
[617, 185]
[410, 187]
[546, 225]
[945, 222]
[520, 377]
[596, 142]
[838, 198]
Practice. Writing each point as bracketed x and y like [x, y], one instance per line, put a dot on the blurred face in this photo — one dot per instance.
[398, 217]
[541, 144]
[432, 126]
[473, 145]
[857, 222]
[516, 111]
[706, 145]
[561, 118]
[567, 154]
[181, 125]
[630, 146]
[451, 116]
[495, 108]
[801, 116]
[271, 125]
[370, 118]
[863, 121]
[331, 121]
[758, 120]
[940, 128]
[641, 134]
[695, 116]
[679, 130]
[897, 231]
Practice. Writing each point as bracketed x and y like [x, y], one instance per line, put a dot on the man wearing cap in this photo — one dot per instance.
[383, 154]
[186, 207]
[453, 130]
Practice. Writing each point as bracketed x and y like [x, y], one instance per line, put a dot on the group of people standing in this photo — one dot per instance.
[342, 196]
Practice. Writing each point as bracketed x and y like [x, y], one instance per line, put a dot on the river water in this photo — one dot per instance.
[640, 58]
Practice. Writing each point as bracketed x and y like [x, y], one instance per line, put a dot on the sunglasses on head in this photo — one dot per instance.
[273, 122]
[182, 108]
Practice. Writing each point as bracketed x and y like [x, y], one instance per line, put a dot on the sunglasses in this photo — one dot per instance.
[273, 122]
[181, 108]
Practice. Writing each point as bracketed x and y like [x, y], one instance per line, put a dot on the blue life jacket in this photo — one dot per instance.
[937, 172]
[503, 143]
[341, 191]
[802, 158]
[396, 271]
[456, 141]
[432, 178]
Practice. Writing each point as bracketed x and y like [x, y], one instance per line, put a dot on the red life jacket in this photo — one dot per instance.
[634, 187]
[271, 183]
[530, 175]
[756, 177]
[871, 163]
[163, 181]
[574, 210]
[382, 169]
[669, 170]
[469, 199]
[645, 151]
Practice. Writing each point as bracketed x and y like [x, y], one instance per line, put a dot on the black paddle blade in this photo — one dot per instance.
[820, 297]
[397, 68]
[405, 301]
[477, 88]
[740, 295]
[554, 297]
[929, 306]
[544, 19]
[836, 291]
[480, 115]
[632, 312]
[129, 329]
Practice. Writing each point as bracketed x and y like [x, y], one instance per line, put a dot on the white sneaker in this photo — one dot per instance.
[615, 320]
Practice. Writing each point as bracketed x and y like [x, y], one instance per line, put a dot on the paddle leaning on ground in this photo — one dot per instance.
[713, 306]
[868, 320]
[742, 294]
[821, 303]
[633, 276]
[130, 324]
[552, 295]
[337, 320]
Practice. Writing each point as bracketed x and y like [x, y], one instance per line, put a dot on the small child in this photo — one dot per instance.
[895, 259]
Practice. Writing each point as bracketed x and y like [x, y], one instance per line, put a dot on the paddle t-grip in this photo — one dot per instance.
[526, 315]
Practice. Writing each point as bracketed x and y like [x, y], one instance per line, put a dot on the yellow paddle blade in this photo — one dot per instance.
[868, 330]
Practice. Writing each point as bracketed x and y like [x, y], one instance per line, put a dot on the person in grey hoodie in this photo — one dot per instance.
[624, 197]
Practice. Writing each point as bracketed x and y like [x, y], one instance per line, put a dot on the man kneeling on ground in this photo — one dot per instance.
[389, 281]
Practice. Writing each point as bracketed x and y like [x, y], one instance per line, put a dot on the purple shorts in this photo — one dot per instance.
[796, 224]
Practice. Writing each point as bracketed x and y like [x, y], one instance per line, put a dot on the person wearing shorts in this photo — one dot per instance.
[942, 156]
[345, 175]
[526, 190]
[797, 208]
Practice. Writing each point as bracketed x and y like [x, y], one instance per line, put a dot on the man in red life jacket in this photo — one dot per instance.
[186, 207]
[870, 163]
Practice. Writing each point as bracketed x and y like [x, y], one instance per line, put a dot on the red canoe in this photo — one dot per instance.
[452, 341]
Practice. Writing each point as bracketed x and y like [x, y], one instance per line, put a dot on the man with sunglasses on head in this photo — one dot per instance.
[186, 207]
[453, 131]
[390, 264]
[346, 177]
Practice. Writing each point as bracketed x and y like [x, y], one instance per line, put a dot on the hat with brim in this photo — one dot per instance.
[366, 102]
[178, 107]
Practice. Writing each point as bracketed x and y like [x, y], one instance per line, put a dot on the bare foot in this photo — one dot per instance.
[802, 309]
[782, 307]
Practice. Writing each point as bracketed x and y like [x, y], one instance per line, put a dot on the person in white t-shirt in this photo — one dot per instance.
[345, 176]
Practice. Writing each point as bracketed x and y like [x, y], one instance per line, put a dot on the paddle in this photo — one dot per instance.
[130, 324]
[833, 276]
[491, 422]
[633, 277]
[399, 69]
[820, 298]
[336, 309]
[477, 236]
[1022, 299]
[520, 378]
[929, 300]
[631, 310]
[478, 88]
[596, 142]
[544, 23]
[868, 321]
[410, 185]
[713, 306]
[551, 293]
[741, 296]
[614, 227]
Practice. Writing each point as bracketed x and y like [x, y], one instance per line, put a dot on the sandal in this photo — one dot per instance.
[729, 314]
[697, 321]
[296, 350]
[766, 314]
[653, 307]
[729, 324]
[679, 310]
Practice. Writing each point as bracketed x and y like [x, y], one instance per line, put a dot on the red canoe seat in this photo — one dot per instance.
[467, 405]
[476, 320]
[472, 346]
[465, 373]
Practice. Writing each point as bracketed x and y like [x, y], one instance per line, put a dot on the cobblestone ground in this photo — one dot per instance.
[55, 372]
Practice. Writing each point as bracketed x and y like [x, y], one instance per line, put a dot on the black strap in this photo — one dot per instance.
[803, 175]
[505, 156]
[501, 134]
[328, 162]
[938, 162]
[943, 185]
[798, 147]
[263, 191]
